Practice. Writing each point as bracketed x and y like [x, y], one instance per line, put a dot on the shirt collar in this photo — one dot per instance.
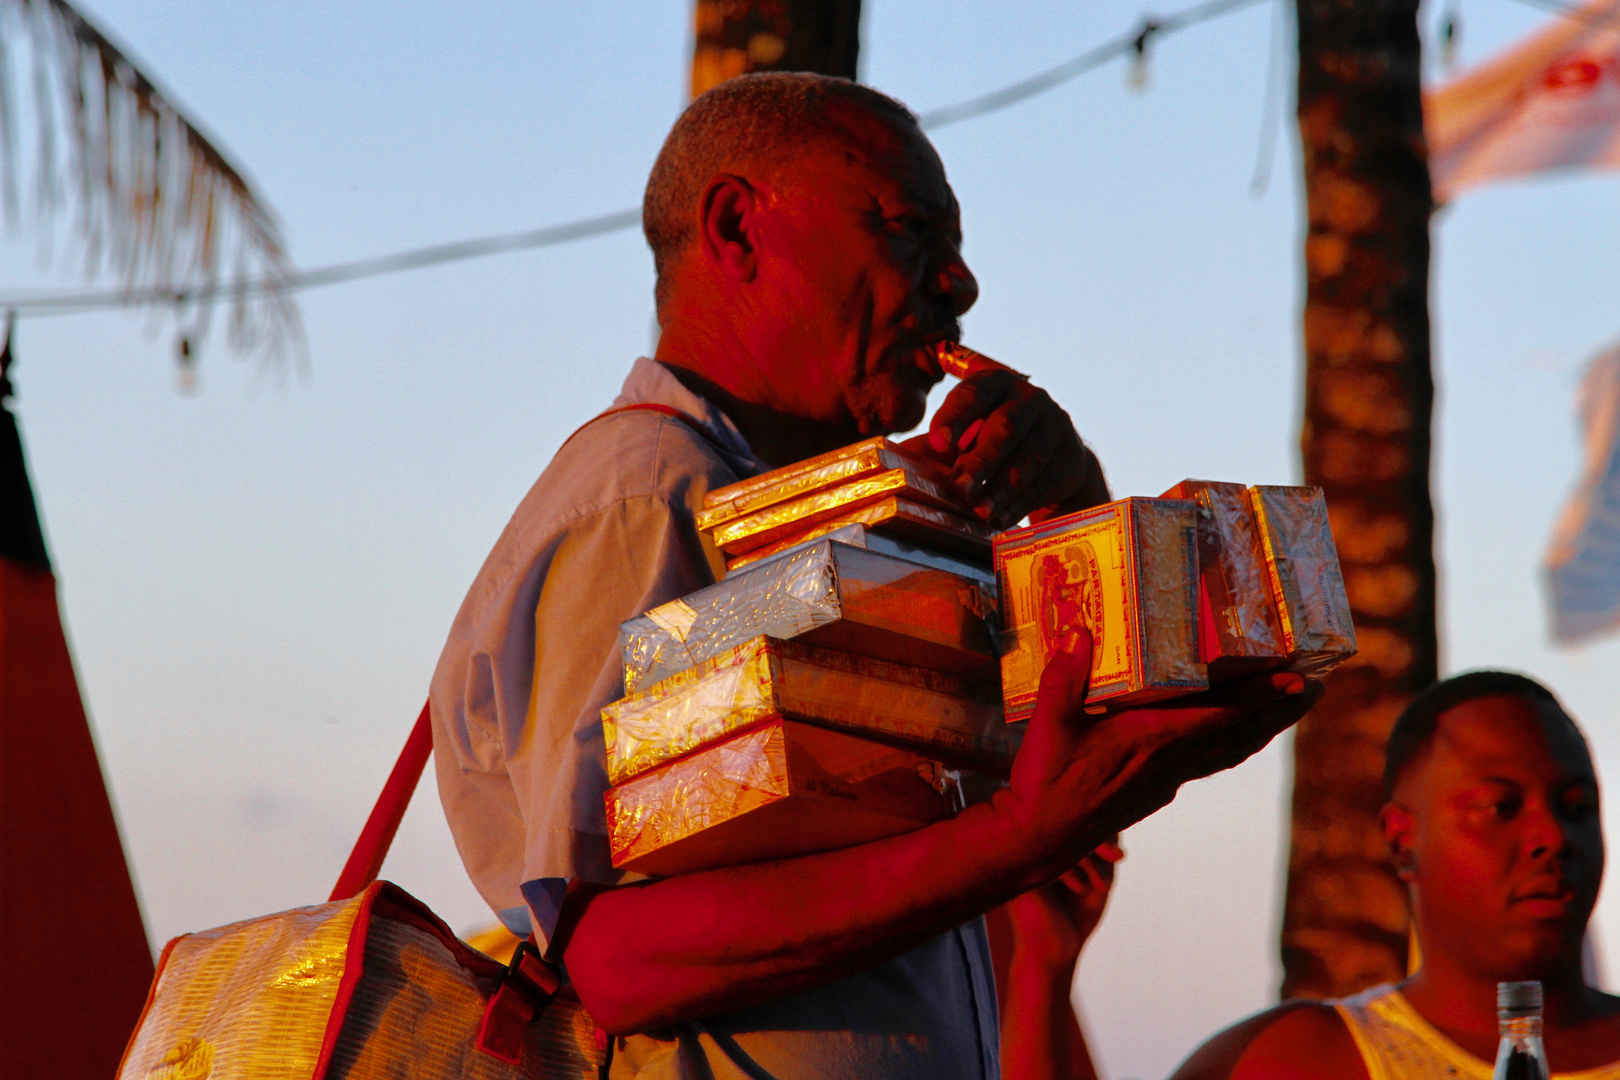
[650, 382]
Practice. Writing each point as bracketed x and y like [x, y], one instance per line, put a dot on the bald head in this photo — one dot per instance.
[753, 126]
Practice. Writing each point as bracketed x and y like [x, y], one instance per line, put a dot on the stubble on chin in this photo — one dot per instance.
[887, 412]
[892, 401]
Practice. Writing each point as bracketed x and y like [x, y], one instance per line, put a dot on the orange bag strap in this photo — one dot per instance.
[365, 861]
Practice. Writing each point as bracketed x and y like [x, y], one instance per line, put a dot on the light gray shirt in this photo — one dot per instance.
[606, 533]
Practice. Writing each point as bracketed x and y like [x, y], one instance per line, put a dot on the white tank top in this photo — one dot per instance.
[1398, 1044]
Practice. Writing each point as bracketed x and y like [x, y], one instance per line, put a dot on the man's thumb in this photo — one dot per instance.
[1064, 682]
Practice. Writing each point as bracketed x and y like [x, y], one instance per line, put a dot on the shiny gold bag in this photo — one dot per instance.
[371, 987]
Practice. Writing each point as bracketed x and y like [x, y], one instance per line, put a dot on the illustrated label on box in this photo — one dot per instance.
[1239, 633]
[828, 594]
[771, 792]
[1302, 566]
[950, 717]
[1128, 573]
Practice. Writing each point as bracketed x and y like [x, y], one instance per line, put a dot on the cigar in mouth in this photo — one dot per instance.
[962, 362]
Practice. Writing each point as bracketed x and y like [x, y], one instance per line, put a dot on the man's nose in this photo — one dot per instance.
[957, 283]
[1548, 833]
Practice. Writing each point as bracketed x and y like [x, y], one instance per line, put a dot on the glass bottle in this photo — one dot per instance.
[1520, 1055]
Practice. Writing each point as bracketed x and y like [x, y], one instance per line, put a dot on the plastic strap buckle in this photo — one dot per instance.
[525, 989]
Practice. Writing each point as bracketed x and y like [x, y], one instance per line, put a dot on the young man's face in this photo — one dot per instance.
[863, 262]
[1496, 827]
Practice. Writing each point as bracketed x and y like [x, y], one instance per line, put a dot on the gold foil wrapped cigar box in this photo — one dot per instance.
[1238, 633]
[1127, 571]
[925, 526]
[953, 718]
[862, 459]
[767, 526]
[827, 594]
[773, 791]
[1302, 566]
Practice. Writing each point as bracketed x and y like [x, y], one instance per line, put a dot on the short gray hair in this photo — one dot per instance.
[752, 124]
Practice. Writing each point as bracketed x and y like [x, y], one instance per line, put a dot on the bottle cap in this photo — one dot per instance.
[1518, 998]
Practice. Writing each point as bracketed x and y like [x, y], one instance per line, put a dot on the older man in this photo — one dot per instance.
[808, 252]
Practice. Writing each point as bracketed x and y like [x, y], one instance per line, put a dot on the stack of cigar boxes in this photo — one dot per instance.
[838, 686]
[1208, 583]
[864, 666]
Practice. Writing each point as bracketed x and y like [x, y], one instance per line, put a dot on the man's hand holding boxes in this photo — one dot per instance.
[840, 684]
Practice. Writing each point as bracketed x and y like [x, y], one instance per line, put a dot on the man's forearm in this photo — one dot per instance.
[646, 955]
[642, 956]
[1041, 1037]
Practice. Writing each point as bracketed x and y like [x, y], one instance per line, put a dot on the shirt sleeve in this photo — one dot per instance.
[607, 567]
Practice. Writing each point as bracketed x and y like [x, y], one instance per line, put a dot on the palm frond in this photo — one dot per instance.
[152, 199]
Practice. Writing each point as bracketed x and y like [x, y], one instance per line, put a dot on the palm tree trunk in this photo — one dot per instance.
[735, 37]
[1369, 395]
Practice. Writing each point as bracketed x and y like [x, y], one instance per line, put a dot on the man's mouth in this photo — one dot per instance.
[925, 363]
[928, 353]
[1545, 898]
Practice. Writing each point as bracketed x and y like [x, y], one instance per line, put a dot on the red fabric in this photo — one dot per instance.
[72, 942]
[365, 861]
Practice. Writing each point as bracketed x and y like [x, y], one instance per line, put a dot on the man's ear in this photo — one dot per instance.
[730, 226]
[1396, 823]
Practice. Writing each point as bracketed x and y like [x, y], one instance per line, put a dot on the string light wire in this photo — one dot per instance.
[44, 304]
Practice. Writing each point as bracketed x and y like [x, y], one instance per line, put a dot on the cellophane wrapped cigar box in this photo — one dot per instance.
[770, 792]
[1238, 632]
[949, 717]
[829, 594]
[1127, 571]
[903, 519]
[1302, 568]
[863, 536]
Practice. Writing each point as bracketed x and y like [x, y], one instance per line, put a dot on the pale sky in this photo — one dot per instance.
[257, 579]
